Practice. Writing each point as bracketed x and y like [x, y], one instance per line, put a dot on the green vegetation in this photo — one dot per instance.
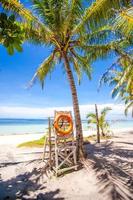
[124, 21]
[40, 142]
[121, 78]
[11, 33]
[102, 122]
[120, 74]
[33, 143]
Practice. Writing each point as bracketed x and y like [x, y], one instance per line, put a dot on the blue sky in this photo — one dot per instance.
[16, 71]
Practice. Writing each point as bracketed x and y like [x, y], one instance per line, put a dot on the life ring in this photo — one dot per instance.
[59, 129]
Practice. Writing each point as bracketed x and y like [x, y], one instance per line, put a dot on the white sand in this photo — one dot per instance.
[17, 139]
[108, 176]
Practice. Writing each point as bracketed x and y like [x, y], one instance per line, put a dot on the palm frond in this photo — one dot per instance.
[102, 35]
[105, 111]
[77, 69]
[45, 68]
[95, 51]
[18, 8]
[91, 115]
[73, 14]
[129, 107]
[124, 22]
[83, 62]
[38, 35]
[99, 12]
[49, 12]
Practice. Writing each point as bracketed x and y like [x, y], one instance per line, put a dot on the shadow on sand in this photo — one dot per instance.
[113, 169]
[112, 165]
[26, 186]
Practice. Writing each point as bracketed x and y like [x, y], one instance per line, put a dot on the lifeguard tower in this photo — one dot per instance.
[59, 147]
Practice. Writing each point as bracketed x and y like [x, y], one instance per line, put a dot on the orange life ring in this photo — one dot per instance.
[59, 130]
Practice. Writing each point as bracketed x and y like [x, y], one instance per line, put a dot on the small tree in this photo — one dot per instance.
[101, 123]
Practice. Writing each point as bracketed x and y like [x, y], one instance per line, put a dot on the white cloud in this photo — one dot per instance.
[29, 112]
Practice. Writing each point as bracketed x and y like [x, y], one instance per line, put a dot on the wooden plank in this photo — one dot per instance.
[65, 160]
[66, 169]
[44, 148]
[47, 151]
[49, 133]
[56, 156]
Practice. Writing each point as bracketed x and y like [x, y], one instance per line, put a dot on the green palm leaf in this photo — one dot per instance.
[124, 22]
[17, 7]
[102, 123]
[44, 69]
[129, 107]
[99, 12]
[105, 111]
[92, 115]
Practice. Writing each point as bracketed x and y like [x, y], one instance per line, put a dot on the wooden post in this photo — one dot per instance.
[97, 119]
[56, 156]
[49, 134]
[44, 148]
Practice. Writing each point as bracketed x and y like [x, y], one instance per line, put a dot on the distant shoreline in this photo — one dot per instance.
[92, 130]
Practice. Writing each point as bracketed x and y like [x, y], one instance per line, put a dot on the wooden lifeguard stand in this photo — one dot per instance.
[60, 149]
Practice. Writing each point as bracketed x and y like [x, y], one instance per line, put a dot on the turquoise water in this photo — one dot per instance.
[114, 124]
[25, 126]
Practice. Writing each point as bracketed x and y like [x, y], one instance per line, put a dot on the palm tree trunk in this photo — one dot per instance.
[102, 132]
[98, 129]
[79, 134]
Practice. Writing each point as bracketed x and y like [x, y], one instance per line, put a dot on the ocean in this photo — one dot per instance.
[36, 126]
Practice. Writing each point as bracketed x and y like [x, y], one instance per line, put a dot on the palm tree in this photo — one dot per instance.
[120, 77]
[76, 36]
[120, 74]
[102, 122]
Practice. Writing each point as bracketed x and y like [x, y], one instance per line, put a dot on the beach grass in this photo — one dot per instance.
[40, 142]
[33, 143]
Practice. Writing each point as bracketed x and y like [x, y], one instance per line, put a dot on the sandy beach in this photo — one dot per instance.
[18, 139]
[107, 175]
